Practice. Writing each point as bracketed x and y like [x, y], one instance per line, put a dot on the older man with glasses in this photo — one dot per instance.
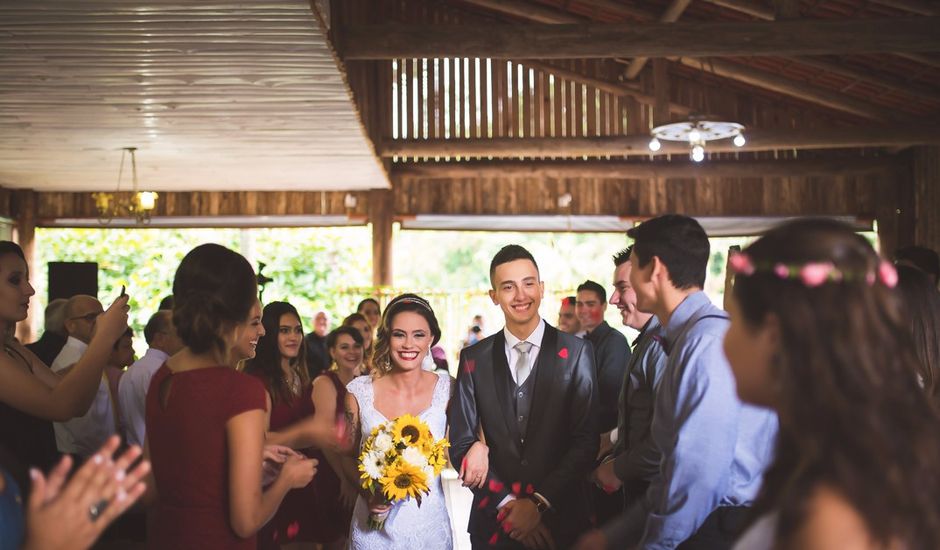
[83, 435]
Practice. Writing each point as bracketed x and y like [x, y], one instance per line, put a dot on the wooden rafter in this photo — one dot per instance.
[695, 39]
[644, 170]
[637, 145]
[671, 15]
[907, 88]
[807, 92]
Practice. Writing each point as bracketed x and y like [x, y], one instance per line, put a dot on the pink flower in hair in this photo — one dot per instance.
[741, 263]
[814, 274]
[887, 274]
[781, 271]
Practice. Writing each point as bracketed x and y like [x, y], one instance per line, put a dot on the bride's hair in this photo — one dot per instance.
[404, 302]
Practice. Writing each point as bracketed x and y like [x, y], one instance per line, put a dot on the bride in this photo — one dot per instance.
[400, 386]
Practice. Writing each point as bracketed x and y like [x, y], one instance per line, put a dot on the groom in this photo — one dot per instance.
[532, 391]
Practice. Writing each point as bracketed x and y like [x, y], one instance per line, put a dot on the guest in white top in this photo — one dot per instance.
[132, 393]
[83, 435]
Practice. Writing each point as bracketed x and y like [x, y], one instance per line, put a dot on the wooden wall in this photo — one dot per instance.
[926, 192]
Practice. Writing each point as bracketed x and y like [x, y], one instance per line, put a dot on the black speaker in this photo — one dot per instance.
[66, 279]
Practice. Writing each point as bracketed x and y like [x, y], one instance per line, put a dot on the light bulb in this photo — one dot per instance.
[739, 140]
[698, 153]
[147, 200]
[694, 135]
[655, 145]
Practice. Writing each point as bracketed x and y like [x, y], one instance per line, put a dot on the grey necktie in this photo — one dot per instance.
[522, 362]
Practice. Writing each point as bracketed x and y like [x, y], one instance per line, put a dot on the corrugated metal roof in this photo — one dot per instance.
[244, 95]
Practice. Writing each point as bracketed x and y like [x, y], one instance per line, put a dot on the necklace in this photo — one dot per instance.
[293, 381]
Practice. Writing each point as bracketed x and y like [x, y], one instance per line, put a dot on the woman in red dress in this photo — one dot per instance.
[279, 364]
[335, 494]
[206, 421]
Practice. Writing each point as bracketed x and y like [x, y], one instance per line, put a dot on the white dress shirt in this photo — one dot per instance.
[512, 354]
[132, 393]
[83, 435]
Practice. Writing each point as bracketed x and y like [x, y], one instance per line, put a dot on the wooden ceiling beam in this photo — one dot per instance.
[760, 11]
[807, 92]
[637, 145]
[527, 10]
[914, 6]
[644, 170]
[598, 40]
[671, 15]
[906, 88]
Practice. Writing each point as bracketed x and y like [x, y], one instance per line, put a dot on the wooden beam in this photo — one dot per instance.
[906, 88]
[914, 6]
[807, 92]
[381, 216]
[637, 145]
[527, 10]
[24, 208]
[596, 40]
[661, 88]
[645, 170]
[604, 85]
[932, 61]
[786, 9]
[760, 11]
[671, 15]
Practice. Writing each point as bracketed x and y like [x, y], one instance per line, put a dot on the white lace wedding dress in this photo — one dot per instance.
[408, 527]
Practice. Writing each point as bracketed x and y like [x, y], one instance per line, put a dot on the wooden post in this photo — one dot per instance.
[24, 213]
[896, 210]
[661, 89]
[926, 179]
[381, 216]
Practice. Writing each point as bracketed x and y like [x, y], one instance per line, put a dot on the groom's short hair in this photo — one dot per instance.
[510, 253]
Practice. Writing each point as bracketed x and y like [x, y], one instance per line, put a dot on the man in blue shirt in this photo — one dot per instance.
[714, 448]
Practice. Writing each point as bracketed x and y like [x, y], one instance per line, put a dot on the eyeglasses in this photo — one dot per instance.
[88, 317]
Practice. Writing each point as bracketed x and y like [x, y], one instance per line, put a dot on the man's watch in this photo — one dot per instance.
[539, 504]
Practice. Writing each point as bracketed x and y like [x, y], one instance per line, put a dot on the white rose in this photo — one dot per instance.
[383, 443]
[373, 464]
[414, 457]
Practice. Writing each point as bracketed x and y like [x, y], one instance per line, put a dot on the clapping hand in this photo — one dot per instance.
[274, 457]
[540, 538]
[519, 518]
[71, 514]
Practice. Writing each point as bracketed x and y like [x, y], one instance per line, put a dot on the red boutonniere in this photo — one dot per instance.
[469, 366]
[563, 353]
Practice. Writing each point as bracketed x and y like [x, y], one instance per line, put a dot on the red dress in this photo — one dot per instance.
[312, 513]
[189, 454]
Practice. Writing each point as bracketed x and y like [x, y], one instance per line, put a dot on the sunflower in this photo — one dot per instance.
[402, 480]
[410, 430]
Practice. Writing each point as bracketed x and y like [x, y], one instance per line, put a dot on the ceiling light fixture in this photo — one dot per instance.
[139, 205]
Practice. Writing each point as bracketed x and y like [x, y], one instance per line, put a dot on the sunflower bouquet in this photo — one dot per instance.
[399, 460]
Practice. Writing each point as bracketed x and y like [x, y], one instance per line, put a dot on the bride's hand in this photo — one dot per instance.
[378, 504]
[475, 466]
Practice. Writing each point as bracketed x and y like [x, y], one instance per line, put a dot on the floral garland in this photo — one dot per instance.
[814, 274]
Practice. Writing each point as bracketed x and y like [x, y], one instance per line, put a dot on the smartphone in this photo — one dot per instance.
[734, 248]
[123, 291]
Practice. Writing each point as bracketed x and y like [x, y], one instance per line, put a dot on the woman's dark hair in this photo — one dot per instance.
[852, 416]
[213, 290]
[354, 317]
[334, 335]
[679, 242]
[10, 247]
[366, 301]
[266, 364]
[367, 354]
[922, 304]
[401, 303]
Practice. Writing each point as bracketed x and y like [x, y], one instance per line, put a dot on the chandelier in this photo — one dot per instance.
[139, 204]
[697, 132]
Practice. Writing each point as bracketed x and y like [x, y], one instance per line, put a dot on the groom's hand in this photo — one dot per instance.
[519, 518]
[605, 478]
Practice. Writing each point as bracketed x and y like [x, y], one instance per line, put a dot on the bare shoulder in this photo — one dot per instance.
[832, 522]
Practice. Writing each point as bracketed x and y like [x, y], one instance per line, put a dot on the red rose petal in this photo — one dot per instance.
[495, 486]
[292, 530]
[516, 488]
[529, 489]
[494, 539]
[483, 502]
[563, 353]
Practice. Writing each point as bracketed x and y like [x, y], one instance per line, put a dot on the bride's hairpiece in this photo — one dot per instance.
[410, 300]
[813, 274]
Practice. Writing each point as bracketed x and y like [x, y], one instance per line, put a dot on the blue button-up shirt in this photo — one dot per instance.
[715, 449]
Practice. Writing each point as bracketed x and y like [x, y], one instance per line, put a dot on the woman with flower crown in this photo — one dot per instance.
[403, 394]
[818, 334]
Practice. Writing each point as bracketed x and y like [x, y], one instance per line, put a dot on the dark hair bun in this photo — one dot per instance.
[213, 290]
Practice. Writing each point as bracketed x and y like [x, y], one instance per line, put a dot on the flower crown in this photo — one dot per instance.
[813, 274]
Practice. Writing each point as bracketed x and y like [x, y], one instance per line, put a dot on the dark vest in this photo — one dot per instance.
[522, 400]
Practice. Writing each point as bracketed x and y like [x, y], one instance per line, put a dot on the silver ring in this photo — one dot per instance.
[96, 509]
